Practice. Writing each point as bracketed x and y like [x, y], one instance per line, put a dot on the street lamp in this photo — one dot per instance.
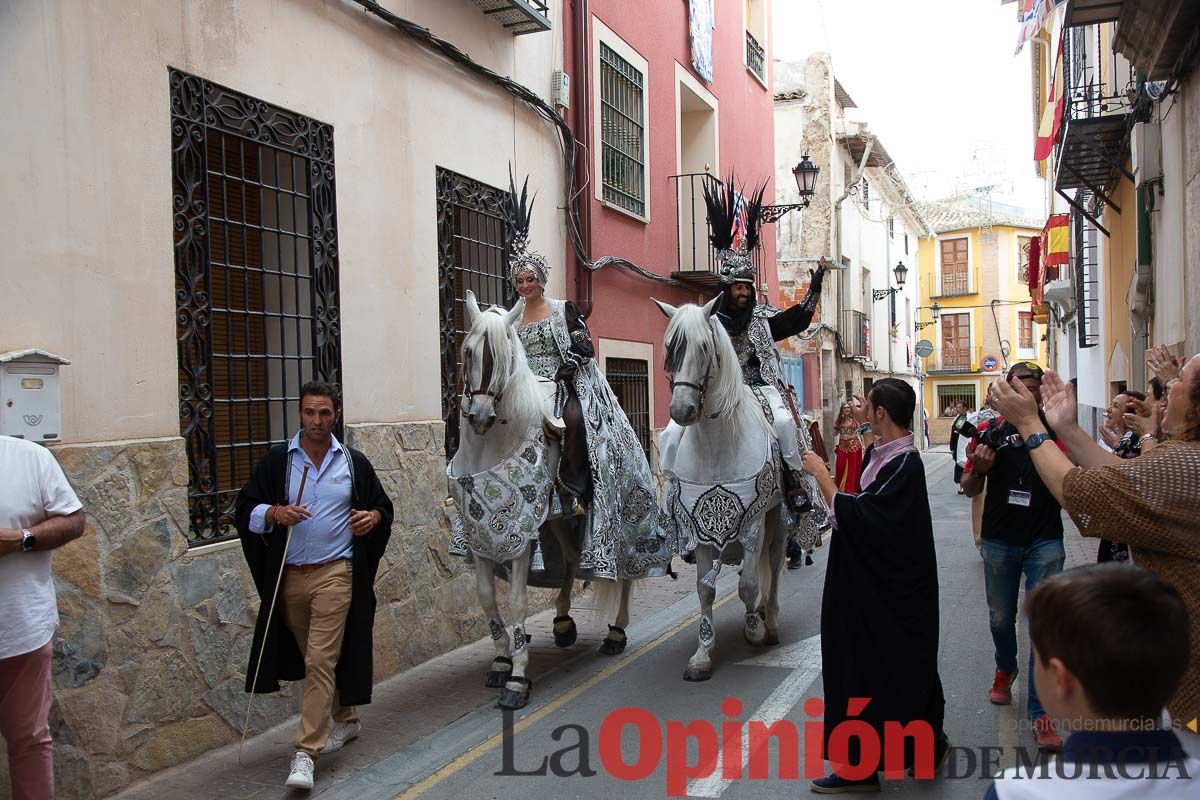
[805, 174]
[901, 272]
[934, 311]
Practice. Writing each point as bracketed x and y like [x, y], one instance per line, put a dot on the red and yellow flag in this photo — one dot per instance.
[1056, 245]
[1051, 122]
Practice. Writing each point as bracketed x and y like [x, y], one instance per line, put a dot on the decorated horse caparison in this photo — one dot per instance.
[503, 482]
[723, 478]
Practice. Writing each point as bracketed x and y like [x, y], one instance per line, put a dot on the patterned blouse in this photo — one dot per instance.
[540, 348]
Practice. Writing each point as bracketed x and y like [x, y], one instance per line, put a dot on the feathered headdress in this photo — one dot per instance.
[734, 223]
[518, 212]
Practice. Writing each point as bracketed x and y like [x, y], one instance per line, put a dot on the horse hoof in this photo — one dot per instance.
[567, 637]
[696, 675]
[498, 677]
[612, 646]
[513, 699]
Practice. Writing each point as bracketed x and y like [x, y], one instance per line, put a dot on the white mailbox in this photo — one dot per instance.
[30, 403]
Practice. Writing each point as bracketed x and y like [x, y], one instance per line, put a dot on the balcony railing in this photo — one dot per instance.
[955, 283]
[518, 16]
[695, 256]
[756, 57]
[1099, 98]
[958, 359]
[855, 334]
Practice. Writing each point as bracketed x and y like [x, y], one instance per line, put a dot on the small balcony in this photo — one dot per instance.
[756, 58]
[956, 360]
[954, 284]
[855, 333]
[694, 256]
[518, 16]
[1098, 114]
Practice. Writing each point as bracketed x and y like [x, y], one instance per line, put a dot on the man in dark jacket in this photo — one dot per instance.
[314, 521]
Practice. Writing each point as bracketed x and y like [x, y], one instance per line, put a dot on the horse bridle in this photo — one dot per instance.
[702, 388]
[470, 394]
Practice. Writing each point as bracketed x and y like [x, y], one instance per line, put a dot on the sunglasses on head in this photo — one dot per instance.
[1025, 369]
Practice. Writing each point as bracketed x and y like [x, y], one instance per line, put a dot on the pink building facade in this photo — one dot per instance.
[653, 128]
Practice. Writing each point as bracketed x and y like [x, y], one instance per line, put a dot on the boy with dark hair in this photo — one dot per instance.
[1110, 647]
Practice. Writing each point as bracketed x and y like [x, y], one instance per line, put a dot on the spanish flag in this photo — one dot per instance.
[1056, 245]
[1052, 114]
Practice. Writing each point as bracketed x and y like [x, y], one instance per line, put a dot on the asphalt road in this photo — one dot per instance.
[470, 758]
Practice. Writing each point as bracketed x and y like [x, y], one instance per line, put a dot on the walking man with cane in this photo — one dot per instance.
[314, 521]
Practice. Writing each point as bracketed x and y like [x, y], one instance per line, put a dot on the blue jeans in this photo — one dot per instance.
[1003, 565]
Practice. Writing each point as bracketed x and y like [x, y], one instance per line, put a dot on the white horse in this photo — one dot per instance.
[724, 479]
[502, 479]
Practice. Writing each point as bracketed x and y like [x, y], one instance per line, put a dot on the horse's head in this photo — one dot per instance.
[490, 357]
[701, 363]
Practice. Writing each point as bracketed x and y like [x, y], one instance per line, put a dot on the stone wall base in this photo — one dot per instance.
[151, 656]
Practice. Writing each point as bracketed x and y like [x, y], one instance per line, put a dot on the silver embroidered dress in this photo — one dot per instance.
[624, 535]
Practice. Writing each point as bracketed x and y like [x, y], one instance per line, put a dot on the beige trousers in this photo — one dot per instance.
[315, 602]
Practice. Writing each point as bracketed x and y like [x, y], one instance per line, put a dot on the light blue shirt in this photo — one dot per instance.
[325, 536]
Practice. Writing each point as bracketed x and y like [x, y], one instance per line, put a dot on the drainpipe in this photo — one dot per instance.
[580, 46]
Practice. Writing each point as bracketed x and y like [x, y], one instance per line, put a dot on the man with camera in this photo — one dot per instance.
[1022, 533]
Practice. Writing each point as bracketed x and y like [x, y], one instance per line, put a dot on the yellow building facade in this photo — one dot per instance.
[972, 272]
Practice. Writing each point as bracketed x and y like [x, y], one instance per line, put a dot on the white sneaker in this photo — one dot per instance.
[339, 734]
[301, 776]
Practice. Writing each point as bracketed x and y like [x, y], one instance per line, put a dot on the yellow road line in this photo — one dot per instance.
[481, 749]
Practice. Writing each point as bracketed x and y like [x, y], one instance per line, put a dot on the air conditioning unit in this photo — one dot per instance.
[1146, 147]
[560, 89]
[1139, 296]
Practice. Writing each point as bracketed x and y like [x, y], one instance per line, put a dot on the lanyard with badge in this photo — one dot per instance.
[1021, 496]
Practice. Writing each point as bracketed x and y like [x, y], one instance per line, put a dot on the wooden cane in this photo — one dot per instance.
[270, 613]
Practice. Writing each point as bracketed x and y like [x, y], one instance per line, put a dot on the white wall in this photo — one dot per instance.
[85, 188]
[1170, 232]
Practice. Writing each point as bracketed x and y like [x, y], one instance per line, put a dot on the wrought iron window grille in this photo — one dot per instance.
[756, 57]
[630, 382]
[472, 254]
[256, 283]
[622, 133]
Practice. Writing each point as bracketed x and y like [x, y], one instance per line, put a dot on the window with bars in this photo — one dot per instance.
[955, 278]
[1025, 330]
[472, 254]
[630, 382]
[256, 283]
[622, 132]
[950, 395]
[956, 341]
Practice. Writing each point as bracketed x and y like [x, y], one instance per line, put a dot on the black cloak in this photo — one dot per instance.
[879, 613]
[264, 554]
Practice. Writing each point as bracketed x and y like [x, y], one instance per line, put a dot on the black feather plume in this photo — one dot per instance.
[754, 217]
[719, 200]
[518, 208]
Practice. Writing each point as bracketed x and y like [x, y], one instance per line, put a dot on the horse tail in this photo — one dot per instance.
[607, 603]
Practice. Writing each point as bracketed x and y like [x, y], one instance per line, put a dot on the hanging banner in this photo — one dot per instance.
[700, 26]
[1051, 124]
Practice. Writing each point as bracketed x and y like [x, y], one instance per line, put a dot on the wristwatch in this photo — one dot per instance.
[866, 426]
[28, 540]
[1035, 441]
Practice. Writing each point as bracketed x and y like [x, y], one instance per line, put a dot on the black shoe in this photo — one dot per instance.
[941, 752]
[833, 784]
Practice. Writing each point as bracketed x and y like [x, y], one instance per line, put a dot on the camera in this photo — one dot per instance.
[997, 435]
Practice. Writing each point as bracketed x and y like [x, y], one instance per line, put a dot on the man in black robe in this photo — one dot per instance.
[879, 613]
[314, 521]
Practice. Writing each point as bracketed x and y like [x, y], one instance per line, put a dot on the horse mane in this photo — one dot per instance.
[690, 331]
[511, 376]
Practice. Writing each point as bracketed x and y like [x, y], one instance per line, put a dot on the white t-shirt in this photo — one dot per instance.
[34, 488]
